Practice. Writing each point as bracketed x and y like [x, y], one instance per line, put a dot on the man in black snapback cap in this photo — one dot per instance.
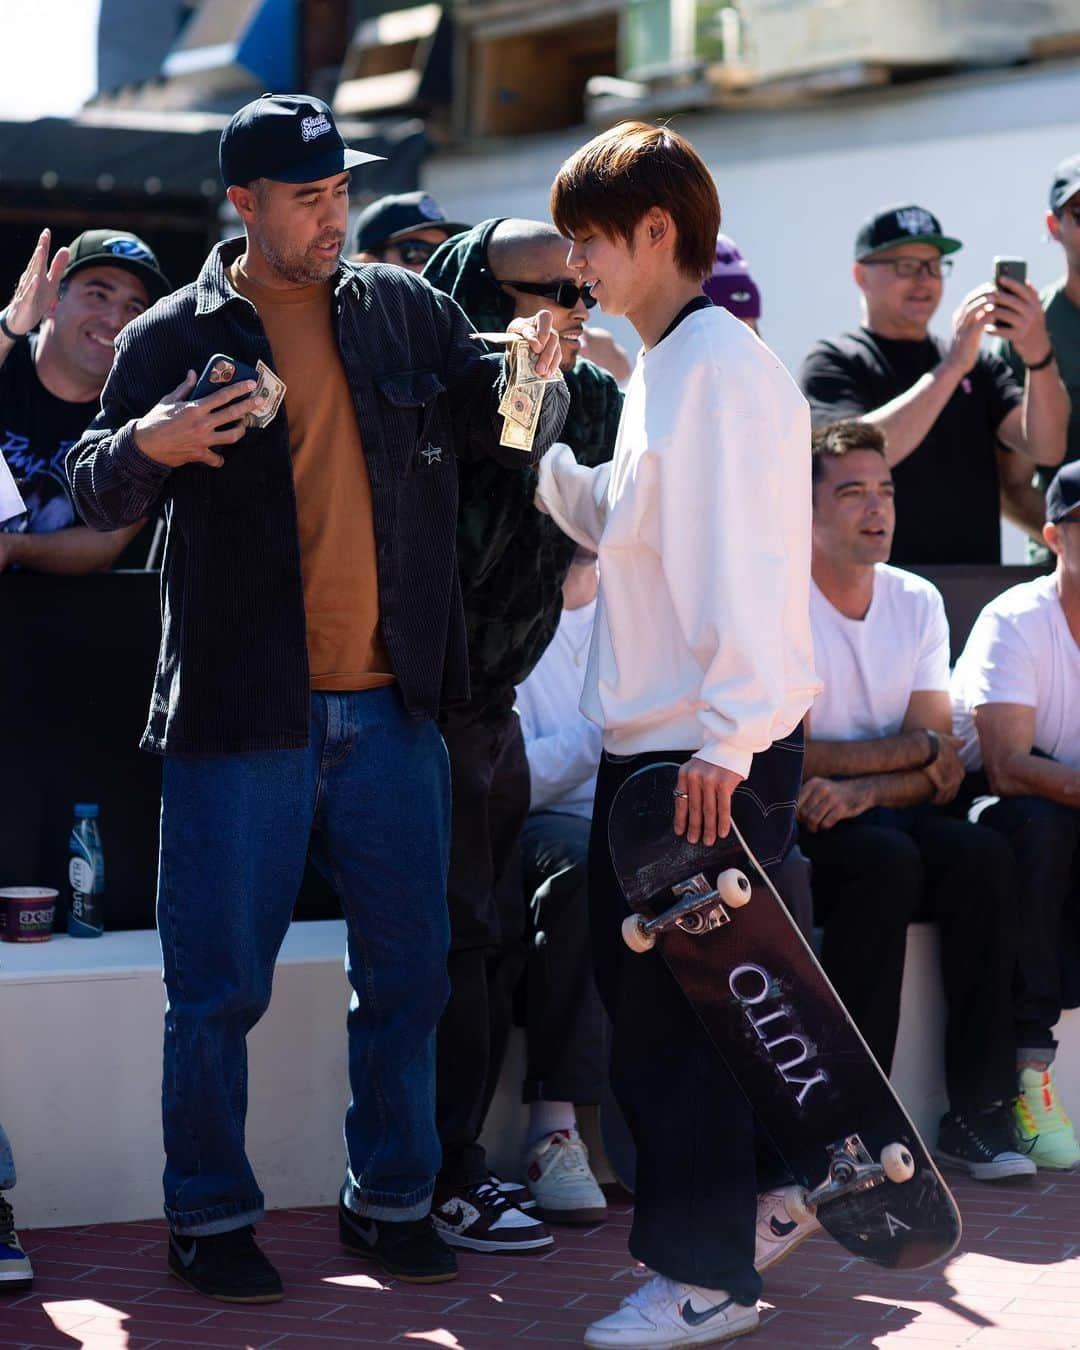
[959, 427]
[56, 350]
[404, 229]
[313, 629]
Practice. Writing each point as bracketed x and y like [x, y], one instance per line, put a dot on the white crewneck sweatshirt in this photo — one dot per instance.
[702, 524]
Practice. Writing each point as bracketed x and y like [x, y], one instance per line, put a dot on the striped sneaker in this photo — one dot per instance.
[480, 1219]
[1045, 1132]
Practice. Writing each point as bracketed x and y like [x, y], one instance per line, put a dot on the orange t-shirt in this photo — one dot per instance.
[333, 492]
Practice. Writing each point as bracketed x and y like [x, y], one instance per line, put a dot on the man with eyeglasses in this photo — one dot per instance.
[958, 425]
[1016, 704]
[1061, 304]
[403, 230]
[512, 561]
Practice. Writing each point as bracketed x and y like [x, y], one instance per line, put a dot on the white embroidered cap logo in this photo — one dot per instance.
[916, 221]
[310, 127]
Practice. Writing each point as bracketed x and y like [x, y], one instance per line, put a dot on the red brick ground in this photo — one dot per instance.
[1014, 1284]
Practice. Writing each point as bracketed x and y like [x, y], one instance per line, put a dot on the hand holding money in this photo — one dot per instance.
[176, 432]
[532, 363]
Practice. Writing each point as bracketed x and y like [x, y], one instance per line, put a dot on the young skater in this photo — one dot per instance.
[701, 653]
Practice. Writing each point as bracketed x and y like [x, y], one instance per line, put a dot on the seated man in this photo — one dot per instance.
[565, 1024]
[1016, 696]
[50, 387]
[880, 764]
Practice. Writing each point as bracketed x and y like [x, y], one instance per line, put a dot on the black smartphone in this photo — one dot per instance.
[1013, 268]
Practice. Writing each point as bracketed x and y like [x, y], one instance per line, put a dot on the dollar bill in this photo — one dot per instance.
[268, 393]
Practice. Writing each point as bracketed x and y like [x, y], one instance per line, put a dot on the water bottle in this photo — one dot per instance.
[86, 873]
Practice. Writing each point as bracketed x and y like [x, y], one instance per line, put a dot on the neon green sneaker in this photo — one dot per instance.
[1044, 1132]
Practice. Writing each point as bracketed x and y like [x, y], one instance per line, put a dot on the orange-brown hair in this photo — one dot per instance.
[613, 180]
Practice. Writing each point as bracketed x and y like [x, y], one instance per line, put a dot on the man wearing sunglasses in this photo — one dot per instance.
[513, 561]
[1061, 304]
[958, 425]
[403, 230]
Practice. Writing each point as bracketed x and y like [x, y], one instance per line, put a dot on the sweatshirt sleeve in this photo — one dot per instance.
[733, 535]
[574, 496]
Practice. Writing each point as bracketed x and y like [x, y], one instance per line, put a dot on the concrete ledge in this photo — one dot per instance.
[80, 1061]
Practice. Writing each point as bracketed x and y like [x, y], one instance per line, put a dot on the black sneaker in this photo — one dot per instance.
[16, 1273]
[408, 1249]
[514, 1193]
[226, 1266]
[982, 1143]
[480, 1218]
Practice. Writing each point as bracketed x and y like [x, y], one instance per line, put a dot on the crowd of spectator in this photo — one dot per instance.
[926, 794]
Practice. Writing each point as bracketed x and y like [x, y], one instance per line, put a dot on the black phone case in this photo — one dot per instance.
[237, 373]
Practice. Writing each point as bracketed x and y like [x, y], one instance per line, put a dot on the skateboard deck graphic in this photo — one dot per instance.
[777, 1022]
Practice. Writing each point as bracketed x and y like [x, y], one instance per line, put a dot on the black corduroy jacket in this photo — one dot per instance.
[232, 671]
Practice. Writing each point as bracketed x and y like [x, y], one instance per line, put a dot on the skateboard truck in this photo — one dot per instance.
[700, 909]
[852, 1169]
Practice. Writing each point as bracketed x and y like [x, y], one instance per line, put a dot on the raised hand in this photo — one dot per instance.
[542, 339]
[176, 432]
[970, 321]
[38, 287]
[1019, 318]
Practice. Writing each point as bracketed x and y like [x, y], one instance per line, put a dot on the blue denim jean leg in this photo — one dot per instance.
[370, 799]
[7, 1162]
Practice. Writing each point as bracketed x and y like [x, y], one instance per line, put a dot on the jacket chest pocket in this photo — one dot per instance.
[416, 425]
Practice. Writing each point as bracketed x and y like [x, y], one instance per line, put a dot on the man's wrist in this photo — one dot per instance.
[1042, 364]
[6, 328]
[933, 741]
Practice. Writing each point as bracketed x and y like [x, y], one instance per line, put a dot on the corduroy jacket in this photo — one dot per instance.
[232, 672]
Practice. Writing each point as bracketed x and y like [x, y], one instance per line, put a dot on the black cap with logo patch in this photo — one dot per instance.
[1066, 183]
[1063, 494]
[394, 217]
[118, 248]
[895, 225]
[289, 138]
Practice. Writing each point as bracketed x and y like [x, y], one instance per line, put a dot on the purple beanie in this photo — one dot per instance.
[731, 286]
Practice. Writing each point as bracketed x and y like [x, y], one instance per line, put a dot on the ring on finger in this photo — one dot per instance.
[677, 792]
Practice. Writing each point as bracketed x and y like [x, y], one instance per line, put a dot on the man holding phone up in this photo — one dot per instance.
[962, 433]
[312, 628]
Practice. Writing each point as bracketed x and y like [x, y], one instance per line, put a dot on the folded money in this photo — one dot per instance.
[268, 394]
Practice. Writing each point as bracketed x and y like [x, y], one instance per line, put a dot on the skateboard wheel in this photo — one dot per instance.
[897, 1162]
[733, 888]
[798, 1206]
[635, 936]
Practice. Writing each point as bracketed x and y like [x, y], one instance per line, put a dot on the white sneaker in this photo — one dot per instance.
[557, 1174]
[782, 1223]
[664, 1314]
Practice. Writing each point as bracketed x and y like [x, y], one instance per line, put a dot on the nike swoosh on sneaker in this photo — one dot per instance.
[366, 1232]
[186, 1257]
[693, 1318]
[780, 1229]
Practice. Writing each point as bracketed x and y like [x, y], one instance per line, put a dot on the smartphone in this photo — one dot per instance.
[1013, 268]
[220, 371]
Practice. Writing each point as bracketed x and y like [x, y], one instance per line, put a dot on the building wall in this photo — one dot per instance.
[977, 150]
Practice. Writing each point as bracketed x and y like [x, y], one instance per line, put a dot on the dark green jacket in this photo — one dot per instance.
[512, 559]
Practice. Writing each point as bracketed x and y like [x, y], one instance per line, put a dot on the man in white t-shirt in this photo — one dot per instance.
[880, 764]
[565, 1024]
[1016, 699]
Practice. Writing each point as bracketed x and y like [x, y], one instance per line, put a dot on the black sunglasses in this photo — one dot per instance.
[564, 293]
[412, 250]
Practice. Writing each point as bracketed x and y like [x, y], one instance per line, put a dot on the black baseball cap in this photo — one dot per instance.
[1063, 494]
[1066, 182]
[390, 218]
[895, 225]
[290, 138]
[118, 248]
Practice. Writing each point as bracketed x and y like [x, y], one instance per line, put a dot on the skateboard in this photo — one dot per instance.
[717, 921]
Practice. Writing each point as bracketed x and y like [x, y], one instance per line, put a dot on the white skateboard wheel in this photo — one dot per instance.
[635, 936]
[897, 1162]
[733, 887]
[798, 1207]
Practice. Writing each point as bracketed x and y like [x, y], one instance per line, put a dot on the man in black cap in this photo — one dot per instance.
[312, 630]
[56, 349]
[1016, 705]
[1061, 304]
[404, 230]
[958, 425]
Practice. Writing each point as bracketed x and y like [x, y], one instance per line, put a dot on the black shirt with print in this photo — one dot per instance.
[947, 495]
[36, 431]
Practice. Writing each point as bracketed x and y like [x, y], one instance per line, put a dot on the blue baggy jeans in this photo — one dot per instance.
[370, 799]
[7, 1162]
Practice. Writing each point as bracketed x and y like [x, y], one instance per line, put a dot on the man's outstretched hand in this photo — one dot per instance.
[703, 815]
[542, 339]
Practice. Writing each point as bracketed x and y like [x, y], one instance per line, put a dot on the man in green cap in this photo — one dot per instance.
[57, 338]
[960, 428]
